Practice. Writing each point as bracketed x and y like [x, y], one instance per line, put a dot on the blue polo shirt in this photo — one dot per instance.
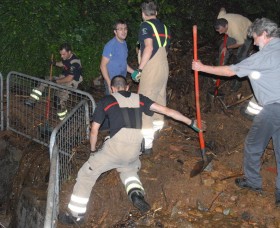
[117, 53]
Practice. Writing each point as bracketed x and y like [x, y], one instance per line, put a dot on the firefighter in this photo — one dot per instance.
[154, 39]
[121, 151]
[70, 77]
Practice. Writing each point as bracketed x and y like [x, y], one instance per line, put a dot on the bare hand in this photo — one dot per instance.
[197, 65]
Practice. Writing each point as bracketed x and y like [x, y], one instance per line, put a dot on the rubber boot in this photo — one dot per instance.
[68, 219]
[139, 202]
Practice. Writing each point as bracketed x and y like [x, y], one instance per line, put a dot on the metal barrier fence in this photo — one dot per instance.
[67, 135]
[1, 104]
[38, 122]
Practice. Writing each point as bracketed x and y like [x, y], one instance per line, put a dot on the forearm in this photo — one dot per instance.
[59, 64]
[105, 74]
[178, 116]
[65, 79]
[233, 46]
[171, 113]
[147, 53]
[93, 140]
[218, 70]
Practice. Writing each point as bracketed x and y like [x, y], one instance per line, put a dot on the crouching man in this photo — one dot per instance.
[121, 151]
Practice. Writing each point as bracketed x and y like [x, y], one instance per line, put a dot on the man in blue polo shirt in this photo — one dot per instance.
[114, 56]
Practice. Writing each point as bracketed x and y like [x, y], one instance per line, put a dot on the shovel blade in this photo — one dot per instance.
[200, 166]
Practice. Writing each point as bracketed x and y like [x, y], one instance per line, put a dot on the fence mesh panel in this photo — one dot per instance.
[38, 122]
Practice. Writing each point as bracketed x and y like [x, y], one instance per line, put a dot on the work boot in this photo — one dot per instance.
[147, 151]
[30, 102]
[277, 198]
[242, 183]
[236, 85]
[68, 219]
[139, 202]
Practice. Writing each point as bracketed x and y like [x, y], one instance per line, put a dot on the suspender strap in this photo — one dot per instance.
[157, 35]
[126, 117]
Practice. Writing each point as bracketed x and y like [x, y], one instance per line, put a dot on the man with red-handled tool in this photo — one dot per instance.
[235, 26]
[70, 77]
[262, 68]
[121, 151]
[154, 39]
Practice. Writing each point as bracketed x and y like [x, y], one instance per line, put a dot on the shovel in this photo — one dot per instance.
[46, 129]
[200, 165]
[222, 58]
[213, 94]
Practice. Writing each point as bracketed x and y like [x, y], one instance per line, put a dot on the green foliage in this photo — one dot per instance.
[32, 30]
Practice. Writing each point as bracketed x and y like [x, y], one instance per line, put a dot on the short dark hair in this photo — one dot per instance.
[149, 8]
[220, 22]
[117, 22]
[119, 82]
[67, 47]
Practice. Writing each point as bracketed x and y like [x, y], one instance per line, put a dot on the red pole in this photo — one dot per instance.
[221, 64]
[196, 84]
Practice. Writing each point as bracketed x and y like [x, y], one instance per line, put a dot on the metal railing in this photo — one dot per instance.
[67, 135]
[38, 122]
[1, 104]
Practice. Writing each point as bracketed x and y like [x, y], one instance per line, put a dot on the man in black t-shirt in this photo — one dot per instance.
[71, 76]
[121, 151]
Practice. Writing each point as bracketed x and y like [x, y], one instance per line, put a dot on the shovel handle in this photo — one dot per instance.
[222, 58]
[196, 84]
[49, 92]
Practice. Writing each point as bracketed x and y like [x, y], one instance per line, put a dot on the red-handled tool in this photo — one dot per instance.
[222, 58]
[200, 165]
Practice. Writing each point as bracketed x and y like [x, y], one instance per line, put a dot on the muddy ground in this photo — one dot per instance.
[207, 200]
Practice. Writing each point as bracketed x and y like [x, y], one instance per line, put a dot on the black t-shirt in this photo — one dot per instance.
[73, 67]
[108, 107]
[146, 31]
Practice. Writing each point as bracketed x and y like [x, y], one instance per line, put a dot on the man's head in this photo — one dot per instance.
[149, 9]
[221, 25]
[263, 30]
[65, 51]
[119, 83]
[120, 29]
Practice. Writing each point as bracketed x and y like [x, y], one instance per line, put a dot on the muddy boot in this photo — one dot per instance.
[30, 102]
[68, 219]
[139, 202]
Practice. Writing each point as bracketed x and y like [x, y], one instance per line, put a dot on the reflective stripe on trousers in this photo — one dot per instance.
[36, 94]
[253, 108]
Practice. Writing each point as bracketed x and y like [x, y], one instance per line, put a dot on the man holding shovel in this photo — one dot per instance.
[235, 26]
[154, 39]
[121, 151]
[263, 69]
[70, 77]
